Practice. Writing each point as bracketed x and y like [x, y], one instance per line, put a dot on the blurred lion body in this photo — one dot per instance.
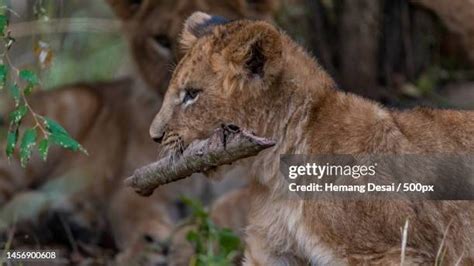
[250, 74]
[458, 16]
[111, 120]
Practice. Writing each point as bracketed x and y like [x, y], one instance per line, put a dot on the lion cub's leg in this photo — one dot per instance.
[257, 253]
[231, 210]
[393, 258]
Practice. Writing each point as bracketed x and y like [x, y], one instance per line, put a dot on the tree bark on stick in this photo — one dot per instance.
[226, 145]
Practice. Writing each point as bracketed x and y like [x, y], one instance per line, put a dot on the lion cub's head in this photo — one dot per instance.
[153, 26]
[228, 74]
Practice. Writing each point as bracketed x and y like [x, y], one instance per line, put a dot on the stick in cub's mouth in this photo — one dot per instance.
[227, 144]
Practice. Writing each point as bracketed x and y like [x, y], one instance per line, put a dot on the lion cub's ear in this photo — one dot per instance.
[257, 51]
[198, 25]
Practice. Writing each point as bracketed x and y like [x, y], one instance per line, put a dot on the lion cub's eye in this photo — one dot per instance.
[190, 95]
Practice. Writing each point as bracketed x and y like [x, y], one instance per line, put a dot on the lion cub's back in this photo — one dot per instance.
[438, 131]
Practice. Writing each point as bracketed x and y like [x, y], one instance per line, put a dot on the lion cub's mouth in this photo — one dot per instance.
[173, 146]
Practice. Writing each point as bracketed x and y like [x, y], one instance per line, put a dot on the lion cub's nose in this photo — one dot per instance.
[157, 137]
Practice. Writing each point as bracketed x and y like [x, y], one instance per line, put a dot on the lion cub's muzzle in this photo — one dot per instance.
[158, 138]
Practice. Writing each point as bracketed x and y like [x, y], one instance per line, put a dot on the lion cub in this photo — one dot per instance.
[251, 74]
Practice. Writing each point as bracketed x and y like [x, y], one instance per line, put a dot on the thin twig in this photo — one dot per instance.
[10, 10]
[441, 250]
[35, 115]
[64, 25]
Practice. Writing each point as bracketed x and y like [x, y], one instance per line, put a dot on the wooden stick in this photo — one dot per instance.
[226, 145]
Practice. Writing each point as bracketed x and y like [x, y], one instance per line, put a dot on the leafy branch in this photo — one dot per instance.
[21, 83]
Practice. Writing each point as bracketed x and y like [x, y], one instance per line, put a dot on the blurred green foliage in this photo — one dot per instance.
[98, 58]
[82, 56]
[213, 246]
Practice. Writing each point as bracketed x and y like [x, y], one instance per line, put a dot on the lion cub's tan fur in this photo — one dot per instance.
[251, 74]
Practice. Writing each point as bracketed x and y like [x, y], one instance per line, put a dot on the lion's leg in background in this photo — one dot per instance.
[137, 223]
[75, 186]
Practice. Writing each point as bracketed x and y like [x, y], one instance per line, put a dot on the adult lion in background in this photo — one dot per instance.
[152, 28]
[111, 121]
[251, 74]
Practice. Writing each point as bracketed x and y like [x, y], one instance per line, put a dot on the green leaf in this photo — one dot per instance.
[28, 89]
[12, 138]
[228, 241]
[15, 93]
[3, 75]
[61, 137]
[17, 115]
[54, 127]
[66, 142]
[27, 143]
[192, 236]
[43, 148]
[196, 207]
[3, 24]
[29, 76]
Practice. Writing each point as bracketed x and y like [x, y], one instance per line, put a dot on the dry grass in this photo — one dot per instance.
[441, 249]
[404, 242]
